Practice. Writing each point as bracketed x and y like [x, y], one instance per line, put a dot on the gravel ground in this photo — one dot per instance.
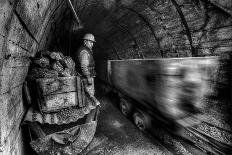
[116, 135]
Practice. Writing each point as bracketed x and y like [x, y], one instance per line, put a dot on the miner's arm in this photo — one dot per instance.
[84, 61]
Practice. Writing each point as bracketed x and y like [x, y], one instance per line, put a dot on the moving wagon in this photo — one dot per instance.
[169, 96]
[169, 90]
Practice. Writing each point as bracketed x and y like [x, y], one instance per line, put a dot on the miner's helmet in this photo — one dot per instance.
[89, 37]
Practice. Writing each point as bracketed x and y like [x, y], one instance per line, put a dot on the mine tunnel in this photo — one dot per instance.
[147, 37]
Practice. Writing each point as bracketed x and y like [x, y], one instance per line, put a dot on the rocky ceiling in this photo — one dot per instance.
[120, 20]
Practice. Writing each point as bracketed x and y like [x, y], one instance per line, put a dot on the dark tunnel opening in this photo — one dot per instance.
[133, 32]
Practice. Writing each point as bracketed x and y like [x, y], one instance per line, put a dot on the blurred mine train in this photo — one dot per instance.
[169, 93]
[169, 90]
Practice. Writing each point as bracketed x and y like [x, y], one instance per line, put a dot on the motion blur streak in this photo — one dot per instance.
[170, 89]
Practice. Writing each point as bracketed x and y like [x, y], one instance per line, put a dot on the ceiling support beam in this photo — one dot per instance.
[185, 24]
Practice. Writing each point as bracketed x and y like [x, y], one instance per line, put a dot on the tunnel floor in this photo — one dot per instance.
[117, 135]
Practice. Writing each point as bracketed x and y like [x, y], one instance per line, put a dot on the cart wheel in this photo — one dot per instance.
[142, 120]
[125, 107]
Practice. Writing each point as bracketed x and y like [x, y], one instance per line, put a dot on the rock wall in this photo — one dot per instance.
[26, 27]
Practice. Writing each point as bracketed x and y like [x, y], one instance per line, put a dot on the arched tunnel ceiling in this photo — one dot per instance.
[115, 21]
[111, 19]
[99, 15]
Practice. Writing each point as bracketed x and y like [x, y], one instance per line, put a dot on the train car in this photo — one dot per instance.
[170, 96]
[169, 90]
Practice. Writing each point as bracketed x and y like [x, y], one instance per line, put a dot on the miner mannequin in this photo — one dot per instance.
[85, 62]
[86, 67]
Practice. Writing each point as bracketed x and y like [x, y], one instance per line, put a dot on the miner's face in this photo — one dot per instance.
[89, 43]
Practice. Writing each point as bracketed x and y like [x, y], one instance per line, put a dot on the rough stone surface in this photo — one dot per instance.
[18, 35]
[12, 112]
[13, 73]
[5, 14]
[20, 31]
[32, 13]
